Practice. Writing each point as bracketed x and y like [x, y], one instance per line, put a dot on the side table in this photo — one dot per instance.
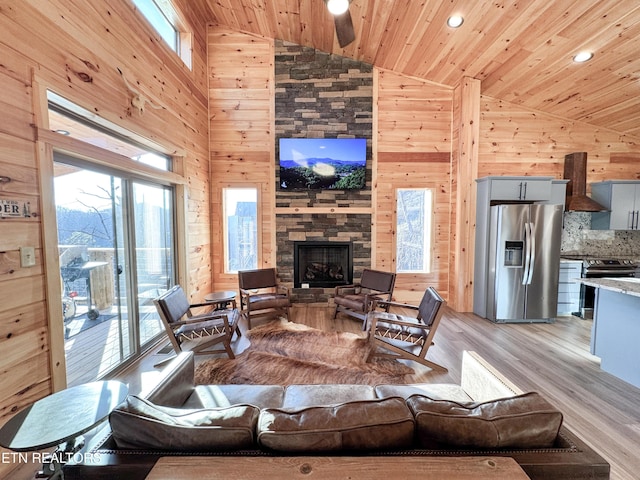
[221, 300]
[60, 420]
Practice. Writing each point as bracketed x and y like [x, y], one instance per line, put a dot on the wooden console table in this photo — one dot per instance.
[320, 467]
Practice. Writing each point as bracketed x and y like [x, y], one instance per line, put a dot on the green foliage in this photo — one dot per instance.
[354, 180]
[304, 178]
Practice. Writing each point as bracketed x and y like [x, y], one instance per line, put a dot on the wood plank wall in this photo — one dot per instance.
[464, 167]
[414, 120]
[74, 48]
[517, 141]
[414, 142]
[416, 145]
[241, 143]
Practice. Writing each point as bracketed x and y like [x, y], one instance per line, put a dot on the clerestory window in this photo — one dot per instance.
[164, 18]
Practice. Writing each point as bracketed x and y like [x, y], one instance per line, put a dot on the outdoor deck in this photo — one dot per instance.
[98, 347]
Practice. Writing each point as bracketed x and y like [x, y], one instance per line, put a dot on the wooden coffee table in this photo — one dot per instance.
[371, 468]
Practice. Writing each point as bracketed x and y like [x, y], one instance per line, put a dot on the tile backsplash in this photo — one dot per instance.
[579, 239]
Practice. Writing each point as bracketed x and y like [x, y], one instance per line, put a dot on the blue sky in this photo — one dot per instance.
[346, 149]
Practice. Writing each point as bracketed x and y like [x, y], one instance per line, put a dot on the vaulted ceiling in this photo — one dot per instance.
[521, 50]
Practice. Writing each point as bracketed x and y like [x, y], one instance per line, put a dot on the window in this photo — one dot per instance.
[67, 118]
[116, 242]
[414, 216]
[117, 249]
[165, 20]
[240, 207]
[159, 21]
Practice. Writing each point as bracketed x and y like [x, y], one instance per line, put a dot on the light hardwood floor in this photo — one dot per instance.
[552, 359]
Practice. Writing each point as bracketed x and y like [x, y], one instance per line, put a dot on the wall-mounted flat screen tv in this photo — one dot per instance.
[322, 163]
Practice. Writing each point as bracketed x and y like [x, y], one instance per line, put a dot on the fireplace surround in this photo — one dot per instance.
[353, 228]
[318, 264]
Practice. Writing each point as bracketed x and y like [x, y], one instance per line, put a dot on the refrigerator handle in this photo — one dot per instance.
[532, 249]
[527, 253]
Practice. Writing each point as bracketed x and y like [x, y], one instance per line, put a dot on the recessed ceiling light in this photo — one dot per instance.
[583, 57]
[455, 21]
[63, 132]
[338, 7]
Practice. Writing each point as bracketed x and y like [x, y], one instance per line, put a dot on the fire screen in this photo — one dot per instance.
[322, 264]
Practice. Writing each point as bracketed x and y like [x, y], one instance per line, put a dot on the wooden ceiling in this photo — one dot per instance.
[521, 50]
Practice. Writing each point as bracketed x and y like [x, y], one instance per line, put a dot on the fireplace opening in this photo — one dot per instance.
[322, 264]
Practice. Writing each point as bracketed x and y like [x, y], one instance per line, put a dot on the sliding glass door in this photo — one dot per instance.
[153, 240]
[116, 247]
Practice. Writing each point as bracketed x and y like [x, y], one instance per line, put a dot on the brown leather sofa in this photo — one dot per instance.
[481, 416]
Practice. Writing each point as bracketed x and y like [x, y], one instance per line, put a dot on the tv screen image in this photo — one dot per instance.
[322, 163]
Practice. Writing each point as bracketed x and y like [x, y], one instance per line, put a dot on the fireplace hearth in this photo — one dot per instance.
[322, 264]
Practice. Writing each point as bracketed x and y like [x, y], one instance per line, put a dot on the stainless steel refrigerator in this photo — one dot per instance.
[524, 262]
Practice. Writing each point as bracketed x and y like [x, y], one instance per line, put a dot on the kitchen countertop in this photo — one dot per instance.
[630, 286]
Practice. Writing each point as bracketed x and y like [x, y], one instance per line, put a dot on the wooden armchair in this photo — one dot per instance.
[204, 330]
[358, 299]
[406, 336]
[261, 294]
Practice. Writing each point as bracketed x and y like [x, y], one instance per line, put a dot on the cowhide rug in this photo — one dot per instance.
[283, 353]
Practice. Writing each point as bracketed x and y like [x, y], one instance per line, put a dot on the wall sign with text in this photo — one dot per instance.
[15, 209]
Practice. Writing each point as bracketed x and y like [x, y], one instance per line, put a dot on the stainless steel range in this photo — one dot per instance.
[599, 267]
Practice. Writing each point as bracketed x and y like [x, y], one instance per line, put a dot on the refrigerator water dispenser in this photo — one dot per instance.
[513, 253]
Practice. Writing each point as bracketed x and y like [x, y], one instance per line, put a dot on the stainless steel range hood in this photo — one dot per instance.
[575, 170]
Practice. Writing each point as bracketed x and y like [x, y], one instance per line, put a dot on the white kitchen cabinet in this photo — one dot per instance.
[568, 288]
[622, 198]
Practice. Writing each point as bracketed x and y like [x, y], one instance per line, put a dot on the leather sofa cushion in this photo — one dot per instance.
[215, 396]
[436, 391]
[523, 421]
[298, 396]
[360, 425]
[138, 423]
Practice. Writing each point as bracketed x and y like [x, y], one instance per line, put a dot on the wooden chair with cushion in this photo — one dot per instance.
[262, 295]
[204, 330]
[403, 335]
[358, 299]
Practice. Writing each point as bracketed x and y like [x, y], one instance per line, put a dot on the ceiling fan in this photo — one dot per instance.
[344, 25]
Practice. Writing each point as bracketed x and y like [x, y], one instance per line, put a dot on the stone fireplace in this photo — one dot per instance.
[331, 229]
[320, 95]
[322, 264]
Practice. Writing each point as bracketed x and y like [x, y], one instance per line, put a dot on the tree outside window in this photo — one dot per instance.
[414, 217]
[241, 229]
